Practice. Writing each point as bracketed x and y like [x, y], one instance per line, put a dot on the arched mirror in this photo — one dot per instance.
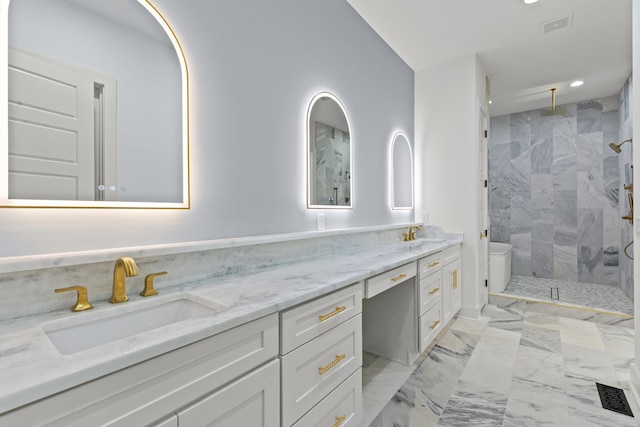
[401, 172]
[329, 151]
[95, 99]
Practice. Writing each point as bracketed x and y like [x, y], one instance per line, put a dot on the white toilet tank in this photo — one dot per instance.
[499, 266]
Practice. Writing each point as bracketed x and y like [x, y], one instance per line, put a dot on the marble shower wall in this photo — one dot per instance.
[625, 161]
[554, 191]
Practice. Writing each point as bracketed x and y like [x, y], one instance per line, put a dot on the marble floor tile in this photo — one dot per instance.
[490, 373]
[541, 320]
[423, 396]
[535, 404]
[579, 333]
[594, 296]
[473, 405]
[585, 408]
[493, 359]
[540, 338]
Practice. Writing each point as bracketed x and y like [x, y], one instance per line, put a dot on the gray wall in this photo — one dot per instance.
[554, 191]
[254, 67]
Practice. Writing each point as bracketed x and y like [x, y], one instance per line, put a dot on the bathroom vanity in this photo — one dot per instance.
[281, 346]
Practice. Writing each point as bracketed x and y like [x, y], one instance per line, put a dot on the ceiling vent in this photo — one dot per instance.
[557, 24]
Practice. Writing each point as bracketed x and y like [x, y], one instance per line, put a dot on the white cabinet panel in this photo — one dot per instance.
[456, 287]
[430, 292]
[391, 278]
[312, 371]
[141, 394]
[430, 326]
[307, 321]
[342, 407]
[452, 291]
[429, 265]
[251, 401]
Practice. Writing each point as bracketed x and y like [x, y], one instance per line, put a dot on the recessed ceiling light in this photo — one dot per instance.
[529, 1]
[577, 83]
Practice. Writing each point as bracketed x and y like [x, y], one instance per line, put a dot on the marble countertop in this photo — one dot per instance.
[32, 368]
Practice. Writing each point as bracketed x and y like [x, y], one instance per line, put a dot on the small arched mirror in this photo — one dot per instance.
[329, 154]
[401, 172]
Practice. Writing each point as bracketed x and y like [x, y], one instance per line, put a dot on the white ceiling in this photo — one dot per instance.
[521, 62]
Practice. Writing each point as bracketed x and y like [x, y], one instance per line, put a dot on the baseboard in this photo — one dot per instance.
[472, 313]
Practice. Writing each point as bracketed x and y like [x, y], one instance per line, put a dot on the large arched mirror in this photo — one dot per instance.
[95, 99]
[401, 172]
[329, 151]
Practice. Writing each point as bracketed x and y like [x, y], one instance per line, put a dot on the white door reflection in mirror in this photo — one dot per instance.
[120, 141]
[329, 151]
[401, 172]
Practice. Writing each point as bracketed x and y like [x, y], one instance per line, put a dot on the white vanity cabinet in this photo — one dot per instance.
[226, 375]
[321, 360]
[451, 278]
[439, 292]
[430, 299]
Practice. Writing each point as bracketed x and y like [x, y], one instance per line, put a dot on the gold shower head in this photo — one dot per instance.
[553, 111]
[616, 147]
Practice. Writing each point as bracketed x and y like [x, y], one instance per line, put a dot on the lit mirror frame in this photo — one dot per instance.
[399, 137]
[311, 140]
[6, 202]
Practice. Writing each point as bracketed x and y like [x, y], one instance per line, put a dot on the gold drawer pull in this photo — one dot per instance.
[400, 277]
[436, 323]
[324, 317]
[337, 360]
[433, 291]
[433, 264]
[339, 420]
[455, 279]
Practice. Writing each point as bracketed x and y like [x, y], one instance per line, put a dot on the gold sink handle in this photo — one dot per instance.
[82, 302]
[148, 284]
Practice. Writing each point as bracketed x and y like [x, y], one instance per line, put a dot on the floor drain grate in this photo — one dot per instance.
[613, 399]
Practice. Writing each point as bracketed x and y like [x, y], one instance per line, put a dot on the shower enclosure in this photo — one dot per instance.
[560, 186]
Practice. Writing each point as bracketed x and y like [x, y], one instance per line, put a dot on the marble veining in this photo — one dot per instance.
[32, 368]
[606, 298]
[553, 363]
[557, 203]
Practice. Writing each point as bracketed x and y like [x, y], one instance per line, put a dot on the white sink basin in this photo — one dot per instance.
[70, 339]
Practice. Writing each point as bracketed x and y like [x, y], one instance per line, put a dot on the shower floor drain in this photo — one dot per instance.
[613, 399]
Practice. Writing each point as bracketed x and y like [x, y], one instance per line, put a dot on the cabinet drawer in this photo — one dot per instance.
[430, 326]
[450, 254]
[430, 292]
[312, 371]
[391, 278]
[429, 265]
[342, 407]
[301, 324]
[250, 401]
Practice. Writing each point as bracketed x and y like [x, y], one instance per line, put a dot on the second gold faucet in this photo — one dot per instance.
[411, 234]
[125, 267]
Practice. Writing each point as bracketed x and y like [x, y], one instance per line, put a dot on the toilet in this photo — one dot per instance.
[499, 266]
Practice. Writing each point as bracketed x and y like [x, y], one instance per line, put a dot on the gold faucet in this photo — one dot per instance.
[125, 267]
[411, 234]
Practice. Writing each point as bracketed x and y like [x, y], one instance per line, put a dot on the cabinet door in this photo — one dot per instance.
[452, 290]
[312, 371]
[253, 400]
[430, 292]
[446, 294]
[456, 287]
